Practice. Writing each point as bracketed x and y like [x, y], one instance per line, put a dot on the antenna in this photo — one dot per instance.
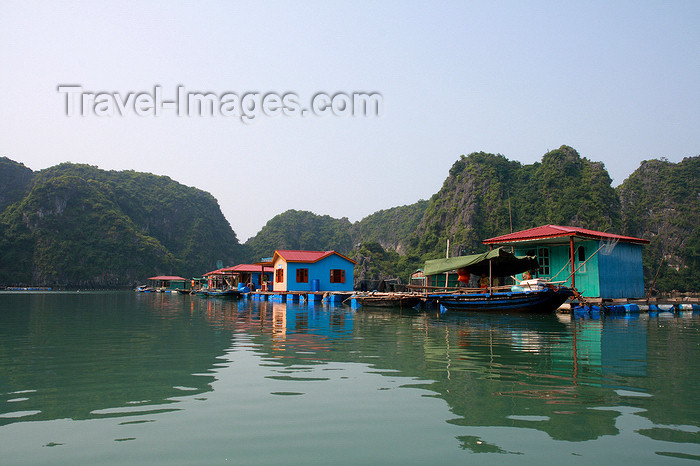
[608, 246]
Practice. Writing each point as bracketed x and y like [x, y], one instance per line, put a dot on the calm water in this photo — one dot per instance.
[168, 379]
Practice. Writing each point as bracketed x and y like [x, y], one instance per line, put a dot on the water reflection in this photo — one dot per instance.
[119, 355]
[90, 355]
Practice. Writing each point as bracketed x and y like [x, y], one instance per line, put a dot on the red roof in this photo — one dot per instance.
[306, 256]
[239, 268]
[167, 277]
[247, 268]
[556, 231]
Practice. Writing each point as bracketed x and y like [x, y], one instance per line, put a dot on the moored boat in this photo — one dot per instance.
[229, 293]
[385, 300]
[546, 299]
[528, 296]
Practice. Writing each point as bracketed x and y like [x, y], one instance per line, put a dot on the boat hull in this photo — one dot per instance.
[388, 302]
[223, 294]
[537, 301]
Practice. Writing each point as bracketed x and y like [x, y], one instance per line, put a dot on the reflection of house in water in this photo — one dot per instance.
[624, 347]
[331, 322]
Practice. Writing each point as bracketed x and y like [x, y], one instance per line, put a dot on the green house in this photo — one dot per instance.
[167, 282]
[604, 265]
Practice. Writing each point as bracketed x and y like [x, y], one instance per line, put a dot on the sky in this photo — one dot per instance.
[92, 82]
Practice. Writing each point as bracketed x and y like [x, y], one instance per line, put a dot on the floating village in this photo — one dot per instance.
[545, 269]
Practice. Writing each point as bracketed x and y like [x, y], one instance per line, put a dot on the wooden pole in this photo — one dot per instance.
[490, 282]
[447, 256]
[651, 287]
[573, 265]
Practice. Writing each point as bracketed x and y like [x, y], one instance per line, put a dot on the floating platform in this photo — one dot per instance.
[631, 309]
[310, 297]
[376, 299]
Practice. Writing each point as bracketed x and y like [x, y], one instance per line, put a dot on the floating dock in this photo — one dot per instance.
[310, 297]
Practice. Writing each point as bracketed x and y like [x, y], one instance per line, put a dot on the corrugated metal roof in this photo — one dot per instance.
[303, 256]
[248, 268]
[238, 268]
[166, 277]
[556, 231]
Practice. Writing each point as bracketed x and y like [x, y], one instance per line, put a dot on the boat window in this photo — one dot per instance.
[302, 275]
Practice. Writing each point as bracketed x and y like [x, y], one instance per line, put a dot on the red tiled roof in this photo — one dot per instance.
[239, 268]
[166, 277]
[247, 268]
[556, 231]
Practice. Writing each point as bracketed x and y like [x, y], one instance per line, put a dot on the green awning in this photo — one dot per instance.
[503, 263]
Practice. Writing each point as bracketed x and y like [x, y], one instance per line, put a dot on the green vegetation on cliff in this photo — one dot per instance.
[14, 181]
[487, 195]
[391, 228]
[82, 226]
[300, 230]
[661, 203]
[79, 225]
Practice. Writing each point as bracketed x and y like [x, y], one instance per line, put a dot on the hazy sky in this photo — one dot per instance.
[618, 81]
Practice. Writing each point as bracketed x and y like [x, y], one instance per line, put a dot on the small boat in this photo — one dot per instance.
[229, 293]
[546, 299]
[386, 300]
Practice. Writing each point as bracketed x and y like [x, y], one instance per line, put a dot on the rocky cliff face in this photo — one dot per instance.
[14, 181]
[661, 202]
[76, 225]
[393, 229]
[486, 195]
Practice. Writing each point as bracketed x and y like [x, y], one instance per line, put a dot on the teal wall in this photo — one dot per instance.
[321, 271]
[439, 280]
[586, 279]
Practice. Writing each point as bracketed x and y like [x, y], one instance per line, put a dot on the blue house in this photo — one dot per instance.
[311, 271]
[600, 265]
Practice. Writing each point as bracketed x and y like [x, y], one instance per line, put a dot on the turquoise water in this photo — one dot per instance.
[139, 378]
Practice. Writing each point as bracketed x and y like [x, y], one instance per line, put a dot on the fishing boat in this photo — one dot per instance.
[546, 299]
[385, 300]
[536, 297]
[228, 293]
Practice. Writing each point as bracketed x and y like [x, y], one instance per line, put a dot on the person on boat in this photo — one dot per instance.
[463, 276]
[484, 281]
[527, 275]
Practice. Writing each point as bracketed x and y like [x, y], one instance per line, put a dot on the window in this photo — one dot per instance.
[581, 257]
[543, 259]
[279, 275]
[337, 276]
[581, 254]
[302, 275]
